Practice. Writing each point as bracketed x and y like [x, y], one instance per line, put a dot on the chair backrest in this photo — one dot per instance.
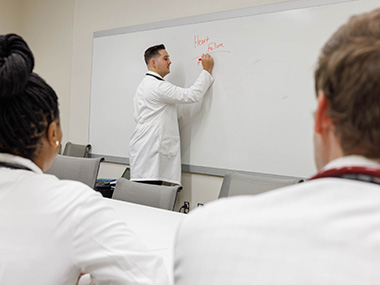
[76, 168]
[127, 173]
[77, 150]
[163, 197]
[249, 184]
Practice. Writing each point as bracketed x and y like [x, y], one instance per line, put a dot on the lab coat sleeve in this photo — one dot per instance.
[171, 94]
[105, 248]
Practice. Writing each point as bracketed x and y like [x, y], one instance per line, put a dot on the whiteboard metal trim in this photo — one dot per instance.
[259, 10]
[193, 168]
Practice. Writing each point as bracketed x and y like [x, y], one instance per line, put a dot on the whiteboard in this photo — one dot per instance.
[258, 114]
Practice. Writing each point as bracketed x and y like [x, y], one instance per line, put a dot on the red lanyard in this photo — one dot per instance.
[365, 174]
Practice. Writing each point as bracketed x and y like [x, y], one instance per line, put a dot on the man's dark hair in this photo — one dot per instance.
[152, 52]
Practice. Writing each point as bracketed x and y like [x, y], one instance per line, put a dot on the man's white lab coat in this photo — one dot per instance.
[155, 144]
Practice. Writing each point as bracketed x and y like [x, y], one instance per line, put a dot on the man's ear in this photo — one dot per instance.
[53, 134]
[321, 120]
[153, 63]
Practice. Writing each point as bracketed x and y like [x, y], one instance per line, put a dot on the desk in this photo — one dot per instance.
[155, 227]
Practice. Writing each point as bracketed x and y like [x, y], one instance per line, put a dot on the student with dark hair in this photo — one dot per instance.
[323, 231]
[52, 230]
[155, 155]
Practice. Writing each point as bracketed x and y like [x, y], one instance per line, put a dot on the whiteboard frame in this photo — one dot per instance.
[266, 9]
[297, 4]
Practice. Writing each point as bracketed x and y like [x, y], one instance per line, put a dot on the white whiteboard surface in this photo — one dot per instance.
[257, 116]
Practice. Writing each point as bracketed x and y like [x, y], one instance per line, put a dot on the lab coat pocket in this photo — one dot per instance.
[169, 146]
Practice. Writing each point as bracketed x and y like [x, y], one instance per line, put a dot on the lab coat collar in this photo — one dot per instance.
[155, 74]
[14, 159]
[352, 167]
[352, 160]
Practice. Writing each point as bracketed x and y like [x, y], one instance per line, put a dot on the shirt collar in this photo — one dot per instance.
[154, 73]
[352, 160]
[10, 158]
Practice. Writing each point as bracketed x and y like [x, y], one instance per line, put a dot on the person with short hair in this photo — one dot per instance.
[52, 231]
[325, 230]
[155, 155]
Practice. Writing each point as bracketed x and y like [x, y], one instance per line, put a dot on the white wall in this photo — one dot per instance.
[47, 27]
[60, 34]
[10, 16]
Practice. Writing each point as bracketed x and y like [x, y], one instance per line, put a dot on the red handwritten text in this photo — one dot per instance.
[206, 44]
[200, 42]
[213, 46]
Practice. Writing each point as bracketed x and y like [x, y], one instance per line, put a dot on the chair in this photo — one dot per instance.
[163, 197]
[77, 150]
[76, 168]
[250, 184]
[127, 173]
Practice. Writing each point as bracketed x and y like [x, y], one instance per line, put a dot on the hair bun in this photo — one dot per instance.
[16, 64]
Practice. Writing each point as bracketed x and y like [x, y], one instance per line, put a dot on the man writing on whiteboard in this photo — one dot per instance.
[155, 155]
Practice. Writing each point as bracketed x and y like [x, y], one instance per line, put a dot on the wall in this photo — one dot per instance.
[47, 27]
[10, 16]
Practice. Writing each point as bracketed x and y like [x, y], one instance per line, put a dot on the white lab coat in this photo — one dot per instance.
[324, 231]
[52, 229]
[155, 144]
